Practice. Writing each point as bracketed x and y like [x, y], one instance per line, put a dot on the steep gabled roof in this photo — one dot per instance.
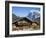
[16, 20]
[21, 18]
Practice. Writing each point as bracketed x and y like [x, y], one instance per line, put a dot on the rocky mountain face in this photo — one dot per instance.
[34, 16]
[14, 17]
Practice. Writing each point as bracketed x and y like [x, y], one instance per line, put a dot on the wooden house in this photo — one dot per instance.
[22, 22]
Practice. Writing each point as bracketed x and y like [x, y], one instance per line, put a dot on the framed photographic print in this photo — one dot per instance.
[24, 18]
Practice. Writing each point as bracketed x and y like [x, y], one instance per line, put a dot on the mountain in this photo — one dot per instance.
[34, 16]
[37, 20]
[14, 17]
[30, 15]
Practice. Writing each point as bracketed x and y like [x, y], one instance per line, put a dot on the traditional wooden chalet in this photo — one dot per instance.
[25, 23]
[22, 22]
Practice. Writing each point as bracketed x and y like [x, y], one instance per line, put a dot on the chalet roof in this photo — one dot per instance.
[21, 18]
[16, 20]
[36, 20]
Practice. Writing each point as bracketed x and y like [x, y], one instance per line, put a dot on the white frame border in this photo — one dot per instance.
[24, 32]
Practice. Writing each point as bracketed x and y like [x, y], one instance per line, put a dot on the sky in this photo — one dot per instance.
[23, 11]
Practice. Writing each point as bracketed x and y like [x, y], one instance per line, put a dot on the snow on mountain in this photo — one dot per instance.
[33, 15]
